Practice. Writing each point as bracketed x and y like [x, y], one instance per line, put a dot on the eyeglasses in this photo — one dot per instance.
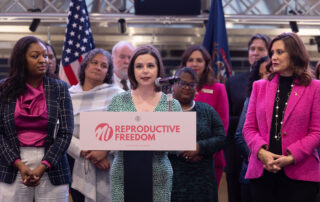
[183, 84]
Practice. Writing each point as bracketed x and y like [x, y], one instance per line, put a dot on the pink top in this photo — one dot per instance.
[31, 117]
[300, 132]
[216, 96]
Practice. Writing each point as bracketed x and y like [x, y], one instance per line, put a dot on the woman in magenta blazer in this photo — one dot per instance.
[282, 126]
[208, 91]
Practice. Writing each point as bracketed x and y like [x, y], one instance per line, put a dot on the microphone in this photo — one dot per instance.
[168, 81]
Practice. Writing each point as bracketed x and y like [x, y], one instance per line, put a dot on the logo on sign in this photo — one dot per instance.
[104, 132]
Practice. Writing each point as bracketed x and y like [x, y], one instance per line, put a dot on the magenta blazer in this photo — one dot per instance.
[300, 130]
[216, 96]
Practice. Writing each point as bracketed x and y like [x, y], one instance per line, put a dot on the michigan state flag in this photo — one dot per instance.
[216, 41]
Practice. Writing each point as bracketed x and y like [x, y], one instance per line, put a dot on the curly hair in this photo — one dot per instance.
[90, 55]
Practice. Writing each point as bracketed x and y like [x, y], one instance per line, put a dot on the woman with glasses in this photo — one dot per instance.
[93, 93]
[209, 91]
[193, 171]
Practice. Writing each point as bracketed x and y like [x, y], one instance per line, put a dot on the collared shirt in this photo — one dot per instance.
[117, 81]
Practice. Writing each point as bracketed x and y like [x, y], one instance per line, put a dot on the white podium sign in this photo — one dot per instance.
[163, 131]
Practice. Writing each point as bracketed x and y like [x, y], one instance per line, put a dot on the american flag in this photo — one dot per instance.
[78, 41]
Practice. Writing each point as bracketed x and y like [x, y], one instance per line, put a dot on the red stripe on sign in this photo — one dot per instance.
[70, 75]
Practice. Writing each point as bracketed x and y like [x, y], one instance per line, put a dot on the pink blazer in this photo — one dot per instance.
[216, 96]
[300, 130]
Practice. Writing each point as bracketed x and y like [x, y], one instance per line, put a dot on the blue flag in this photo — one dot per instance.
[216, 41]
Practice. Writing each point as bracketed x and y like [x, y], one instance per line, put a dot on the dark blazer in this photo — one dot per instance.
[236, 88]
[59, 108]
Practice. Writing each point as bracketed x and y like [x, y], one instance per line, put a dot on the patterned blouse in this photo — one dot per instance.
[162, 170]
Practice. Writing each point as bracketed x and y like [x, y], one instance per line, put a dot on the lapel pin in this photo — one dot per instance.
[295, 93]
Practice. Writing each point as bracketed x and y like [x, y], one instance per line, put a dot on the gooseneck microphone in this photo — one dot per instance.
[168, 81]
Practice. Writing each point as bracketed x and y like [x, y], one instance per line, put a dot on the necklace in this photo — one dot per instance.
[277, 135]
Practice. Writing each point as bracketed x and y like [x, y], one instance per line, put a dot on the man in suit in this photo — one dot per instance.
[121, 55]
[236, 89]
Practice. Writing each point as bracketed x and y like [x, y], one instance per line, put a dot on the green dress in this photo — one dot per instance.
[196, 181]
[162, 170]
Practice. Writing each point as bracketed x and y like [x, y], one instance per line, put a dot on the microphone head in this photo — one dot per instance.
[157, 82]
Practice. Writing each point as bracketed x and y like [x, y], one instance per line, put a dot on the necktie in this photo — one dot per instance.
[125, 85]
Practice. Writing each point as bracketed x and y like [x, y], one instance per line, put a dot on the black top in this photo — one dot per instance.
[285, 87]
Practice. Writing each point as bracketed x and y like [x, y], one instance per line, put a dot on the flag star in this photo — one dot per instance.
[79, 36]
[71, 4]
[69, 13]
[68, 50]
[70, 42]
[83, 11]
[82, 19]
[72, 33]
[85, 40]
[66, 59]
[78, 7]
[90, 30]
[76, 16]
[78, 45]
[74, 25]
[83, 48]
[87, 32]
[76, 54]
[80, 27]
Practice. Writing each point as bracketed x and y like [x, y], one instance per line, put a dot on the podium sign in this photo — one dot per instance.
[163, 131]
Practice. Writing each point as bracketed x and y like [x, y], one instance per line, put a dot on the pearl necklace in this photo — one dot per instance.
[277, 135]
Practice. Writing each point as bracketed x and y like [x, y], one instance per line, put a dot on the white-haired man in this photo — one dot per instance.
[121, 55]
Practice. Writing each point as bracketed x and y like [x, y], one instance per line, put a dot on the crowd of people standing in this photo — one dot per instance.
[261, 127]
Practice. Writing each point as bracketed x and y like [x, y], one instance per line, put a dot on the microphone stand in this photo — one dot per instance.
[169, 98]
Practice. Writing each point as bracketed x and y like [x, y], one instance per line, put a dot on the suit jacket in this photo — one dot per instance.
[236, 88]
[300, 130]
[59, 108]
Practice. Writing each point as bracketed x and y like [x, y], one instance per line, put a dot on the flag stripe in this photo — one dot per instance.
[70, 74]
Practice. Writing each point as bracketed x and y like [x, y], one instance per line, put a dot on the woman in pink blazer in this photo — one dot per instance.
[208, 91]
[282, 127]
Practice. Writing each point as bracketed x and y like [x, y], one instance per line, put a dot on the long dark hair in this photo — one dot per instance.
[56, 72]
[254, 74]
[208, 76]
[14, 84]
[299, 57]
